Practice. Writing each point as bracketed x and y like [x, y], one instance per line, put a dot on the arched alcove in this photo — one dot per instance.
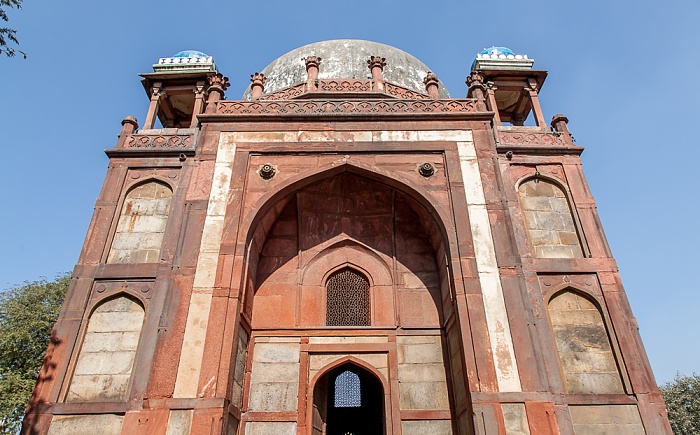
[549, 219]
[353, 220]
[141, 224]
[389, 234]
[586, 356]
[104, 366]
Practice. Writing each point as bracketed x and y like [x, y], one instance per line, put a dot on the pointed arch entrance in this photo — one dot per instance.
[348, 400]
[393, 241]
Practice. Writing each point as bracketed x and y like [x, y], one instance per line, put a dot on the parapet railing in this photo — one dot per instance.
[536, 137]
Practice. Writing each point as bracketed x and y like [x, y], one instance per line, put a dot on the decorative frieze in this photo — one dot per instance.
[532, 138]
[345, 107]
[404, 93]
[343, 86]
[351, 85]
[158, 141]
[285, 94]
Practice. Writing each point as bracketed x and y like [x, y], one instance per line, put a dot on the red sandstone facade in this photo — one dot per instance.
[203, 300]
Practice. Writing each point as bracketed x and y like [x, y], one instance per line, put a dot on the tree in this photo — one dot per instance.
[8, 35]
[27, 315]
[682, 396]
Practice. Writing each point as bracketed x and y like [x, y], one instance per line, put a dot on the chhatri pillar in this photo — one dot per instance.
[257, 85]
[431, 85]
[376, 66]
[312, 64]
[217, 88]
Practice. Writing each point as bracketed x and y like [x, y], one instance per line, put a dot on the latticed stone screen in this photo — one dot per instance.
[347, 390]
[347, 299]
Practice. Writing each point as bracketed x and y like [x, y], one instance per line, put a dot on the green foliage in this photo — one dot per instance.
[8, 35]
[682, 396]
[27, 315]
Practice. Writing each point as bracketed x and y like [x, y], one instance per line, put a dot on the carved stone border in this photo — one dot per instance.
[346, 107]
[144, 141]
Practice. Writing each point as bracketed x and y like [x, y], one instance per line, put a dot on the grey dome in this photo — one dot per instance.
[346, 58]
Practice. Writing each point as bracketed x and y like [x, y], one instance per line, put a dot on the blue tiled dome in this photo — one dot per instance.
[497, 50]
[190, 53]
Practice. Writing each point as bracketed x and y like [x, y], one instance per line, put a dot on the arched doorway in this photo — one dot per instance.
[348, 400]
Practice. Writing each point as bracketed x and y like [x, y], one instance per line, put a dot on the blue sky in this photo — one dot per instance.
[625, 73]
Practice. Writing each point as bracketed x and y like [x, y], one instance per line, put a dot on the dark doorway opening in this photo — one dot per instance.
[348, 400]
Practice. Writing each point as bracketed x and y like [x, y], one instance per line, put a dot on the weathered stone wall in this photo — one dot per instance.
[515, 418]
[549, 220]
[422, 378]
[377, 360]
[423, 427]
[274, 378]
[139, 234]
[277, 273]
[108, 424]
[268, 428]
[179, 422]
[106, 359]
[586, 357]
[606, 419]
[239, 368]
[417, 269]
[462, 410]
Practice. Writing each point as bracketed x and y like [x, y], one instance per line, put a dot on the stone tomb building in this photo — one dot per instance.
[346, 250]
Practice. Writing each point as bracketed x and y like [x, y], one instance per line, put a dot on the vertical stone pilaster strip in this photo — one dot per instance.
[190, 365]
[489, 277]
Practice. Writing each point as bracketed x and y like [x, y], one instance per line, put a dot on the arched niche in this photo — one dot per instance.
[549, 219]
[586, 356]
[104, 365]
[258, 223]
[282, 264]
[348, 219]
[342, 255]
[138, 237]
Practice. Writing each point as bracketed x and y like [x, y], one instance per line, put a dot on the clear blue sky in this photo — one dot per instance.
[625, 73]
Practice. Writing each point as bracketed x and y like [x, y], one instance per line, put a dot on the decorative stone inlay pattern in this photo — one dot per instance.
[285, 94]
[531, 138]
[345, 107]
[158, 141]
[345, 85]
[403, 93]
[351, 85]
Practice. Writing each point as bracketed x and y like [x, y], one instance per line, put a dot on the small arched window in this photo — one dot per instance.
[141, 224]
[550, 223]
[347, 390]
[347, 299]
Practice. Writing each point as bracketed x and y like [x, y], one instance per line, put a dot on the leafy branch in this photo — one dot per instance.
[7, 34]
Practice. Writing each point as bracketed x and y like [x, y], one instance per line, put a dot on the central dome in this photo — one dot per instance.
[346, 58]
